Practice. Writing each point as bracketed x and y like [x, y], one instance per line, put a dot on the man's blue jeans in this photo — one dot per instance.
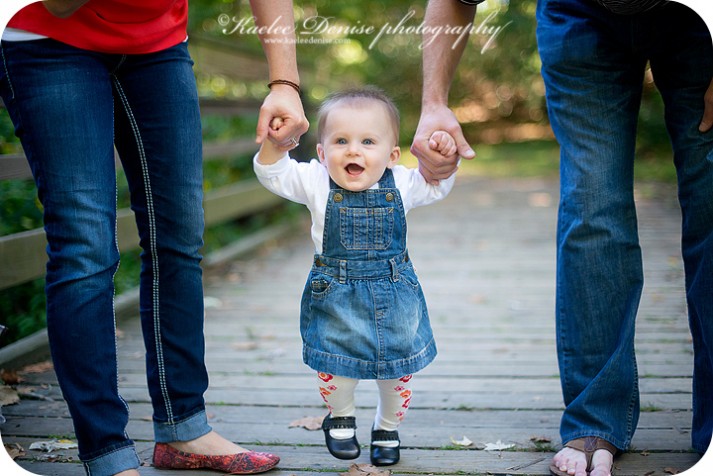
[593, 64]
[70, 108]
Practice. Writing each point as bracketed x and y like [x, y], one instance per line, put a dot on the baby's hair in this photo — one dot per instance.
[358, 96]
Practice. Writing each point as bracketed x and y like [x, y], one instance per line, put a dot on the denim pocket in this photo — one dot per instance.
[321, 285]
[366, 228]
[408, 275]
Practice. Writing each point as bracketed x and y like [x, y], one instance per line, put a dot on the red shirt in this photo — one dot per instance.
[111, 26]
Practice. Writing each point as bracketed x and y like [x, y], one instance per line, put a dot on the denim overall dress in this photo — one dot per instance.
[363, 313]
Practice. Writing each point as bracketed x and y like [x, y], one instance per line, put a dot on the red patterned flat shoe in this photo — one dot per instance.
[167, 457]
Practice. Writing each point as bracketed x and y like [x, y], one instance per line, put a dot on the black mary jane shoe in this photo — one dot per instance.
[384, 455]
[342, 449]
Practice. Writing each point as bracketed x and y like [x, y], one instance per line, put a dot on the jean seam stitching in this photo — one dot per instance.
[7, 73]
[153, 249]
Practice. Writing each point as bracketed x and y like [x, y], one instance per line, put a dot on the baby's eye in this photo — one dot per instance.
[341, 140]
[368, 142]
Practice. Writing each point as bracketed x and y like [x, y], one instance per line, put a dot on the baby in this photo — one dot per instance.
[363, 313]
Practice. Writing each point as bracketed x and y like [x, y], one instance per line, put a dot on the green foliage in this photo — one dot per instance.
[19, 208]
[23, 310]
[9, 144]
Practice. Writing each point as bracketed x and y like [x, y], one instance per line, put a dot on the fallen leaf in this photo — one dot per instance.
[498, 446]
[14, 450]
[671, 470]
[53, 445]
[33, 393]
[10, 377]
[539, 199]
[540, 439]
[244, 345]
[644, 453]
[463, 442]
[308, 423]
[38, 368]
[55, 458]
[365, 470]
[8, 396]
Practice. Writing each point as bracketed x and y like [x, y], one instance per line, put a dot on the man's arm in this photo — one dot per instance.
[63, 8]
[441, 55]
[276, 20]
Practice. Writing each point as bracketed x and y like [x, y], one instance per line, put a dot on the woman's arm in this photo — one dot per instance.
[276, 24]
[63, 8]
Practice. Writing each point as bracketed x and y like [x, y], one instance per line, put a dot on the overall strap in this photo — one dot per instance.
[387, 179]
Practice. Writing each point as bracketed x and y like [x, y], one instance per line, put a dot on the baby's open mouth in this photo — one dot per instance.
[354, 169]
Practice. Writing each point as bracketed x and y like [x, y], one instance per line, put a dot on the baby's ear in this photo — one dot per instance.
[394, 157]
[320, 152]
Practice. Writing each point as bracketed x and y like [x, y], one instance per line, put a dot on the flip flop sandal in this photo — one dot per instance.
[588, 446]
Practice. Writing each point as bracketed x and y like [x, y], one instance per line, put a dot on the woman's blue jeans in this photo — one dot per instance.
[70, 108]
[593, 64]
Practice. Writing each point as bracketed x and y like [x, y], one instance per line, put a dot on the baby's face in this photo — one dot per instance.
[357, 145]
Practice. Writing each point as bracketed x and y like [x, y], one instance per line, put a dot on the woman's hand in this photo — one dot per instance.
[283, 103]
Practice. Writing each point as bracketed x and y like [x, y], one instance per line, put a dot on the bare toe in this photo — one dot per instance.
[571, 461]
[601, 463]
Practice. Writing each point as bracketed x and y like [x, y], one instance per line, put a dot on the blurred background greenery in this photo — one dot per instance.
[498, 96]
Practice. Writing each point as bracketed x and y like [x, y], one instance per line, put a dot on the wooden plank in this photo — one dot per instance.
[246, 415]
[238, 200]
[276, 362]
[421, 383]
[23, 257]
[13, 167]
[424, 428]
[314, 460]
[230, 107]
[454, 401]
[416, 432]
[216, 150]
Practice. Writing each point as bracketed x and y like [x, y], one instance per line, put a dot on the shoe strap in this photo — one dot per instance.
[588, 445]
[331, 423]
[383, 435]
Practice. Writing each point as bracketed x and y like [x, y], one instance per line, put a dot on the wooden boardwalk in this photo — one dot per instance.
[486, 259]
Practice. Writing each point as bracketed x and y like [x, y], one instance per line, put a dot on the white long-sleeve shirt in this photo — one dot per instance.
[308, 183]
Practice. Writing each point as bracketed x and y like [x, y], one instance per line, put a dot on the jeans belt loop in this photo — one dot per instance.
[342, 271]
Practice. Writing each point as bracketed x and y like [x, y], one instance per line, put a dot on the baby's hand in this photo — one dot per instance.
[270, 151]
[443, 143]
[276, 123]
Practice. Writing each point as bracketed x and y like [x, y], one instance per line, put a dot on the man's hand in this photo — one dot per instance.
[433, 165]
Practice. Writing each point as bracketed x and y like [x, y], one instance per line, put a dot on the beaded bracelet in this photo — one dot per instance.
[294, 86]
